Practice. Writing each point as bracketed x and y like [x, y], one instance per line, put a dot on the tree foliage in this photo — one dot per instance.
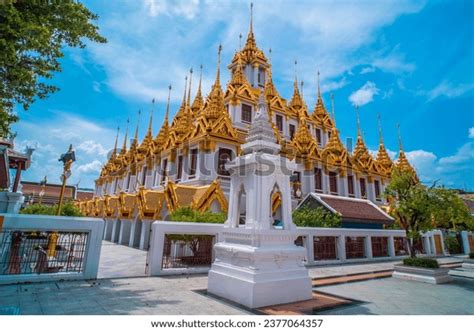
[32, 35]
[418, 208]
[451, 212]
[187, 214]
[317, 217]
[67, 209]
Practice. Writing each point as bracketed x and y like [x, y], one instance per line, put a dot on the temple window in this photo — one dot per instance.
[318, 136]
[292, 130]
[350, 185]
[377, 190]
[225, 155]
[333, 182]
[318, 180]
[279, 122]
[163, 170]
[143, 181]
[180, 168]
[193, 162]
[363, 188]
[261, 77]
[246, 113]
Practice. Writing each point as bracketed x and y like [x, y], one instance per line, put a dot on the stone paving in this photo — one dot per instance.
[390, 296]
[123, 289]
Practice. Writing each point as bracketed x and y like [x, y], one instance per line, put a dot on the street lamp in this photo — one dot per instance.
[67, 159]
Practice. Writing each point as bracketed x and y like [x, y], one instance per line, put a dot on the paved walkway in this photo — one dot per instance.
[119, 261]
[122, 289]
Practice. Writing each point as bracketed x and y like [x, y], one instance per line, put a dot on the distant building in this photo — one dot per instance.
[50, 193]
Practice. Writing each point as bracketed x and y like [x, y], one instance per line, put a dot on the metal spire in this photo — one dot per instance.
[218, 74]
[189, 89]
[380, 128]
[185, 87]
[319, 88]
[332, 110]
[251, 18]
[116, 140]
[124, 147]
[150, 122]
[358, 121]
[138, 124]
[167, 106]
[399, 138]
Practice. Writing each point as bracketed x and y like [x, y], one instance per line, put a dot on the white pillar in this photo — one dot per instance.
[310, 248]
[391, 247]
[341, 248]
[124, 235]
[368, 247]
[109, 224]
[135, 233]
[465, 241]
[115, 231]
[145, 235]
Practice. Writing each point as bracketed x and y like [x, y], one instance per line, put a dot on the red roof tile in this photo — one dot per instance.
[356, 209]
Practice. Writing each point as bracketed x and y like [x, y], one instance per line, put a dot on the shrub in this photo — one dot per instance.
[452, 245]
[471, 255]
[316, 217]
[421, 262]
[187, 214]
[68, 209]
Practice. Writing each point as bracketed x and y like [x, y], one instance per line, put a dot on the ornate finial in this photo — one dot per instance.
[399, 138]
[200, 79]
[218, 74]
[138, 124]
[189, 89]
[168, 105]
[124, 147]
[358, 120]
[296, 72]
[332, 109]
[185, 87]
[251, 18]
[150, 123]
[319, 88]
[380, 128]
[116, 140]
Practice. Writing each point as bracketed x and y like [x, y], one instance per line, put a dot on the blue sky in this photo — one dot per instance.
[410, 61]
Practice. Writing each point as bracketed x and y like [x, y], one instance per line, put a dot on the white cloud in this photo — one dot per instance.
[394, 62]
[448, 90]
[463, 155]
[51, 138]
[471, 132]
[364, 95]
[90, 168]
[96, 87]
[367, 70]
[161, 46]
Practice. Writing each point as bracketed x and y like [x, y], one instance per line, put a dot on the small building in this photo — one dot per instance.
[48, 194]
[11, 162]
[355, 213]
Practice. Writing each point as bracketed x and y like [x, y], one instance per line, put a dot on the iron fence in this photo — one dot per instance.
[29, 252]
[355, 247]
[379, 246]
[325, 248]
[187, 251]
[401, 247]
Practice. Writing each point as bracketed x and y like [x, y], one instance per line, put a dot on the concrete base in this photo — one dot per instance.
[462, 272]
[260, 276]
[468, 264]
[425, 275]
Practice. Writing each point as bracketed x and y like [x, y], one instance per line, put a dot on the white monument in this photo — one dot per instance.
[257, 262]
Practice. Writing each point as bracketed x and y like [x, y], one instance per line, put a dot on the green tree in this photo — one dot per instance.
[68, 209]
[187, 214]
[316, 217]
[412, 205]
[32, 35]
[451, 212]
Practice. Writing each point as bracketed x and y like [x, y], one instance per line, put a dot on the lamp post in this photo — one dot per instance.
[67, 159]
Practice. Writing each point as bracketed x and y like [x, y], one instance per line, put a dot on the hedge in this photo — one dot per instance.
[421, 262]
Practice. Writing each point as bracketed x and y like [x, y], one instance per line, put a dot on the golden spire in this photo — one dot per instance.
[189, 90]
[198, 100]
[302, 89]
[149, 133]
[138, 124]
[296, 102]
[163, 134]
[166, 120]
[251, 19]
[183, 104]
[116, 141]
[332, 110]
[383, 159]
[358, 121]
[402, 162]
[124, 146]
[218, 73]
[319, 87]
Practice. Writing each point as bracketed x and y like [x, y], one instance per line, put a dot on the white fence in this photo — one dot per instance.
[323, 245]
[37, 248]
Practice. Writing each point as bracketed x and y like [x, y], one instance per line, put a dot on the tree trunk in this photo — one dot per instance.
[411, 246]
